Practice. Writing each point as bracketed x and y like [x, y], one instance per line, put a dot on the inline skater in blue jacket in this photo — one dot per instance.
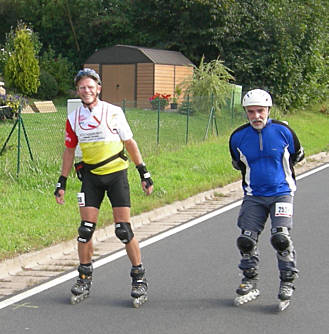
[265, 151]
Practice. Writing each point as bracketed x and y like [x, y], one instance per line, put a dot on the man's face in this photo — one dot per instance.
[257, 116]
[88, 91]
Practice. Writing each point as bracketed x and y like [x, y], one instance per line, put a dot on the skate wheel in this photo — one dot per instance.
[252, 295]
[283, 305]
[137, 302]
[78, 299]
[74, 300]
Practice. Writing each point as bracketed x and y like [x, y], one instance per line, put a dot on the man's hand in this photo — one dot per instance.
[60, 197]
[60, 189]
[147, 190]
[147, 182]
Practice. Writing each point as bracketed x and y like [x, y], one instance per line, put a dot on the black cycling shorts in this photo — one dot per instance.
[116, 186]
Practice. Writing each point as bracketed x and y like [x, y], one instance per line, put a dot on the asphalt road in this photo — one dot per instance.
[193, 276]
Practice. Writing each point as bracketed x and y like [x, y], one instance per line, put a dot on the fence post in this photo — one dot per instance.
[158, 124]
[212, 119]
[18, 141]
[187, 118]
[20, 123]
[232, 104]
[124, 105]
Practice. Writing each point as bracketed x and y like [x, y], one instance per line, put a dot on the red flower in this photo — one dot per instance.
[157, 96]
[159, 99]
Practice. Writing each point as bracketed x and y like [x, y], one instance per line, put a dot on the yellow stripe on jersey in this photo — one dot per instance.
[95, 152]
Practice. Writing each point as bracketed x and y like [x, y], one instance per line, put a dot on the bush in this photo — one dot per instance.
[209, 79]
[48, 88]
[186, 106]
[6, 113]
[10, 105]
[60, 68]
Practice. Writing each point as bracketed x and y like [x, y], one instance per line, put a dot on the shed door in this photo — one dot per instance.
[118, 83]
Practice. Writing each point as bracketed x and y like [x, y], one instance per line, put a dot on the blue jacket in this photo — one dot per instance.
[266, 158]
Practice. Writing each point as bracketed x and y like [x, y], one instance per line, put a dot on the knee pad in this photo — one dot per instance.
[247, 241]
[280, 239]
[123, 232]
[86, 231]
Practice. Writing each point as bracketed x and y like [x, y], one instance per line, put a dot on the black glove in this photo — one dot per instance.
[61, 184]
[236, 164]
[298, 156]
[144, 174]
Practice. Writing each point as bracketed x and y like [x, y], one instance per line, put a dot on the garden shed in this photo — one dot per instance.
[135, 73]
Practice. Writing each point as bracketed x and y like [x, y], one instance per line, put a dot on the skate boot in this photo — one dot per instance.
[247, 291]
[286, 289]
[81, 288]
[139, 286]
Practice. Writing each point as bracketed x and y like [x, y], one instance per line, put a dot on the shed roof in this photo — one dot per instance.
[127, 54]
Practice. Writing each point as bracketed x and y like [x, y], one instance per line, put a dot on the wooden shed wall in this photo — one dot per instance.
[145, 84]
[139, 81]
[118, 83]
[167, 77]
[182, 73]
[164, 78]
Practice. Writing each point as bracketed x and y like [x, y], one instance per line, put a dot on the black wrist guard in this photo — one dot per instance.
[144, 174]
[61, 184]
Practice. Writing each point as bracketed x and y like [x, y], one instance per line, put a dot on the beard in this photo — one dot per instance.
[258, 124]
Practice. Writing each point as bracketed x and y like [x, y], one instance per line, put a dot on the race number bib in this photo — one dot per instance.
[283, 210]
[81, 199]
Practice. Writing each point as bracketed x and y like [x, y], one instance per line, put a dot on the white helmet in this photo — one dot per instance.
[257, 97]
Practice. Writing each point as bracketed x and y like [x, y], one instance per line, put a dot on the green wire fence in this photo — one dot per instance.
[38, 142]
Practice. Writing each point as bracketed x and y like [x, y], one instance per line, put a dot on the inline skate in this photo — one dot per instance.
[247, 290]
[81, 288]
[286, 289]
[139, 286]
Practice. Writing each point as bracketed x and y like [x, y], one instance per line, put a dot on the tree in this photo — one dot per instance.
[22, 69]
[180, 25]
[9, 10]
[77, 28]
[279, 45]
[8, 47]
